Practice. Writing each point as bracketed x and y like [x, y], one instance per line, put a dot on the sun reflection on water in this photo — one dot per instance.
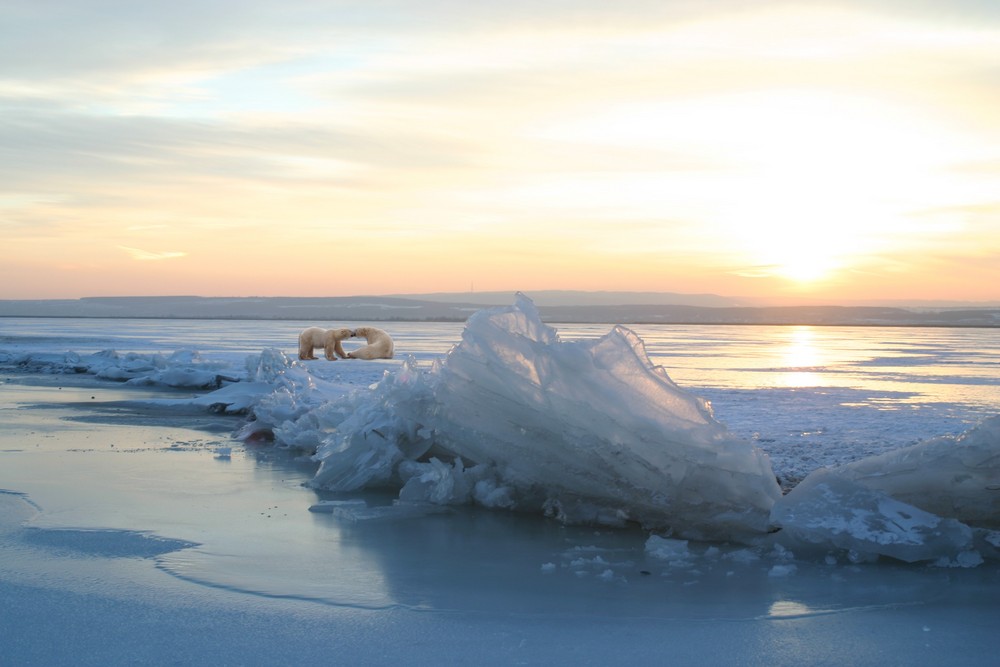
[789, 609]
[800, 358]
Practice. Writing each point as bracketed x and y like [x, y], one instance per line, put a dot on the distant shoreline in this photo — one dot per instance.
[568, 308]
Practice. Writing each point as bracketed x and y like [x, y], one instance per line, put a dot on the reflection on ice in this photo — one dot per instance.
[800, 357]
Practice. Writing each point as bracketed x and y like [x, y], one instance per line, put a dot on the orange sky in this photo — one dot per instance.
[824, 151]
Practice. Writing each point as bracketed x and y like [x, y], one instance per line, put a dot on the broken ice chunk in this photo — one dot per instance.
[398, 511]
[827, 511]
[951, 477]
[673, 551]
[331, 506]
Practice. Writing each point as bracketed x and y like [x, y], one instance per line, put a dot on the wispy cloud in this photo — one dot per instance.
[149, 256]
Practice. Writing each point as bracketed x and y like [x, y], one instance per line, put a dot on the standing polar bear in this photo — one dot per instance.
[329, 340]
[379, 345]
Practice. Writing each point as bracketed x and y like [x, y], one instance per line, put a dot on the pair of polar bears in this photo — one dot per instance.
[379, 345]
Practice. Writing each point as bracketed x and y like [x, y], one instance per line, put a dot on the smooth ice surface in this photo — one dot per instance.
[255, 578]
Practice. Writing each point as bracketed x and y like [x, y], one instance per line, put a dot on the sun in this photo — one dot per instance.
[805, 267]
[792, 226]
[820, 183]
[801, 184]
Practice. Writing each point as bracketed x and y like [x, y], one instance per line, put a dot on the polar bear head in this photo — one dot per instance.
[338, 334]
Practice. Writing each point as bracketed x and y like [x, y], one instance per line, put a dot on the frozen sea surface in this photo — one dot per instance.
[133, 527]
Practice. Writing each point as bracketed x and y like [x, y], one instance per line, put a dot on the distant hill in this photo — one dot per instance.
[349, 308]
[544, 298]
[583, 307]
[583, 298]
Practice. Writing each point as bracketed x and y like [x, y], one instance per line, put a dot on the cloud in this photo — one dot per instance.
[148, 256]
[585, 132]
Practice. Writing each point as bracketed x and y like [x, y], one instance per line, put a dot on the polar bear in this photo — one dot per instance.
[379, 345]
[329, 340]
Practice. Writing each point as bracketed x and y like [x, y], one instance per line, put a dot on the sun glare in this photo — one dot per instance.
[803, 184]
[824, 181]
[806, 267]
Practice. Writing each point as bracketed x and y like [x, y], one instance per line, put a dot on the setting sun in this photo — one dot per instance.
[796, 184]
[822, 183]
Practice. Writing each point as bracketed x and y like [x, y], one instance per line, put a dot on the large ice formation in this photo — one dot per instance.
[586, 430]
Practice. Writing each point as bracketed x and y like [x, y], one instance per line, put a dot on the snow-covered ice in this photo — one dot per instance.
[572, 490]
